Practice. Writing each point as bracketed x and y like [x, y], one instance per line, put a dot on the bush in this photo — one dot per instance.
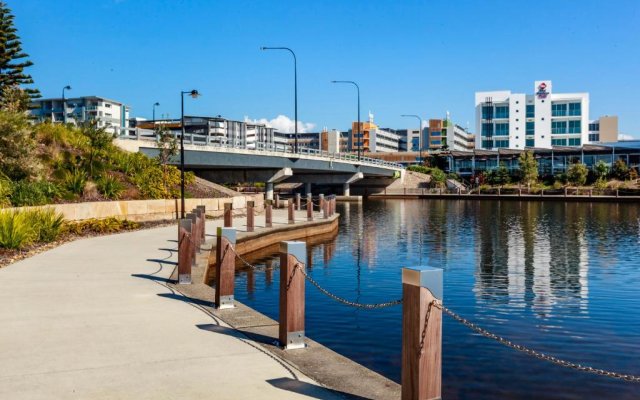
[419, 168]
[600, 184]
[16, 231]
[47, 224]
[557, 185]
[620, 170]
[107, 225]
[577, 174]
[601, 170]
[75, 181]
[6, 186]
[110, 187]
[26, 193]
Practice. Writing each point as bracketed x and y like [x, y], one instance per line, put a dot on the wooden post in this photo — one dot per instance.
[277, 201]
[225, 267]
[268, 214]
[292, 219]
[519, 192]
[199, 226]
[185, 253]
[321, 202]
[195, 238]
[228, 215]
[298, 202]
[309, 208]
[292, 257]
[499, 192]
[250, 216]
[325, 209]
[565, 191]
[204, 222]
[333, 205]
[421, 341]
[617, 189]
[590, 192]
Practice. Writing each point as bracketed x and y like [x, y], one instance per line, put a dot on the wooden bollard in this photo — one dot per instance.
[277, 201]
[195, 238]
[298, 202]
[292, 257]
[325, 208]
[204, 222]
[590, 192]
[200, 226]
[268, 214]
[225, 267]
[320, 202]
[292, 219]
[250, 216]
[421, 341]
[228, 215]
[333, 205]
[565, 192]
[309, 208]
[185, 253]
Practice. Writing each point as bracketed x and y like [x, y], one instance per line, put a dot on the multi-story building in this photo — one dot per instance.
[372, 138]
[604, 130]
[444, 134]
[542, 119]
[216, 130]
[409, 139]
[107, 113]
[333, 141]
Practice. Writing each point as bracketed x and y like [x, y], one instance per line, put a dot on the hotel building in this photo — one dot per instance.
[107, 113]
[542, 119]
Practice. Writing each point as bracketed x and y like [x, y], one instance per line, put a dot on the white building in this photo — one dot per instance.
[542, 119]
[108, 113]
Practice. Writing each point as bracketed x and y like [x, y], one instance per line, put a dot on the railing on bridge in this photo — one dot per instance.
[222, 142]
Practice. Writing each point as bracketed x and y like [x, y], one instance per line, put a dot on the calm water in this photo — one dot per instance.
[560, 278]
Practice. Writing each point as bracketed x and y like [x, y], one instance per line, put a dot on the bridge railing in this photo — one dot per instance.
[224, 142]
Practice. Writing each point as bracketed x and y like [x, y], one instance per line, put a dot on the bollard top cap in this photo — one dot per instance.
[295, 248]
[426, 277]
[227, 233]
[228, 205]
[185, 223]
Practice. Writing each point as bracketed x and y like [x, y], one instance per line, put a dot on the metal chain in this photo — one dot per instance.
[426, 323]
[347, 302]
[293, 273]
[537, 354]
[247, 263]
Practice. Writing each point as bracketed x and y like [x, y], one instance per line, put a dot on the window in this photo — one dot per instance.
[531, 127]
[558, 127]
[502, 143]
[558, 110]
[487, 129]
[436, 133]
[436, 142]
[575, 109]
[502, 112]
[502, 129]
[558, 142]
[574, 127]
[594, 127]
[107, 105]
[531, 110]
[487, 112]
[529, 142]
[574, 142]
[594, 137]
[487, 144]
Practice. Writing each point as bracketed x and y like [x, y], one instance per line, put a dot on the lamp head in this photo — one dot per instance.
[67, 87]
[194, 94]
[262, 48]
[156, 104]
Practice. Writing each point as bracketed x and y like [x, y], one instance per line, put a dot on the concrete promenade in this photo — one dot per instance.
[94, 319]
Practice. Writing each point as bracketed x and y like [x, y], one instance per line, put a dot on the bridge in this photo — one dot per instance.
[225, 162]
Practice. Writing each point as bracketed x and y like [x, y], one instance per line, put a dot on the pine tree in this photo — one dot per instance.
[13, 60]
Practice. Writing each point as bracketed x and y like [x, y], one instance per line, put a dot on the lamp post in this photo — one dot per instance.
[154, 112]
[64, 104]
[360, 139]
[194, 94]
[419, 133]
[295, 90]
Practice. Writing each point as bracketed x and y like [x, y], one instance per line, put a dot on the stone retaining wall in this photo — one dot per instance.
[148, 210]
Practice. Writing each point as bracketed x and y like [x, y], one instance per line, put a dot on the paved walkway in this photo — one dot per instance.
[77, 323]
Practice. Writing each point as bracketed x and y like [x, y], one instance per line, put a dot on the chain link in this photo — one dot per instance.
[247, 263]
[347, 302]
[426, 323]
[537, 354]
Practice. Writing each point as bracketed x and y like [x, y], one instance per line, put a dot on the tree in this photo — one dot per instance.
[601, 170]
[168, 146]
[500, 175]
[577, 174]
[620, 170]
[13, 60]
[99, 139]
[17, 147]
[528, 167]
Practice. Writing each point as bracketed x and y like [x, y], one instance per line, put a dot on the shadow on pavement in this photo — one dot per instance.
[186, 299]
[311, 390]
[162, 261]
[256, 337]
[153, 278]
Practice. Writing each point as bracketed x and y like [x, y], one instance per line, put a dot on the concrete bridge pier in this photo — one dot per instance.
[281, 175]
[347, 185]
[308, 189]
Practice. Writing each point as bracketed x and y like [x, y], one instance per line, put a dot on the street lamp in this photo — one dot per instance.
[295, 90]
[360, 139]
[64, 104]
[419, 133]
[154, 112]
[194, 94]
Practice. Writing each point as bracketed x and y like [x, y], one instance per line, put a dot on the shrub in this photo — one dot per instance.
[6, 186]
[499, 176]
[107, 225]
[75, 181]
[438, 176]
[17, 146]
[16, 231]
[557, 185]
[601, 170]
[26, 193]
[577, 174]
[47, 224]
[110, 187]
[620, 170]
[419, 168]
[600, 184]
[528, 167]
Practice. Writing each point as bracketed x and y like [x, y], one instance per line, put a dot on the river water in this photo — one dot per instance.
[561, 278]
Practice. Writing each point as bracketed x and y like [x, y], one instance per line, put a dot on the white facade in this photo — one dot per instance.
[107, 113]
[458, 138]
[542, 119]
[382, 140]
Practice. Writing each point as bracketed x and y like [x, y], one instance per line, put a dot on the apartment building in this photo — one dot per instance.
[372, 138]
[444, 134]
[541, 119]
[604, 130]
[107, 113]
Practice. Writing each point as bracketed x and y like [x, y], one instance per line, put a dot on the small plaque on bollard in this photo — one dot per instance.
[184, 279]
[225, 302]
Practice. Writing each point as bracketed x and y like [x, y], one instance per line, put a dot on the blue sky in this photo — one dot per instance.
[409, 57]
